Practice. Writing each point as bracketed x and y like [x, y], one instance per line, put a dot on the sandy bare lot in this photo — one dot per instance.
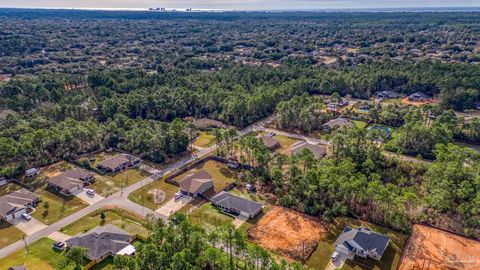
[431, 249]
[287, 232]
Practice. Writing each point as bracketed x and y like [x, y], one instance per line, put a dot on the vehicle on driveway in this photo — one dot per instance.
[90, 192]
[59, 245]
[177, 196]
[335, 256]
[26, 216]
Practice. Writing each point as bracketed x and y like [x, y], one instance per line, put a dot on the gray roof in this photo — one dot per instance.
[193, 182]
[101, 241]
[419, 95]
[70, 179]
[270, 142]
[317, 150]
[339, 123]
[388, 93]
[118, 161]
[20, 267]
[362, 238]
[15, 201]
[230, 201]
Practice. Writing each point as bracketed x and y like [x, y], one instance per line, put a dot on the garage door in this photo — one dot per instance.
[19, 213]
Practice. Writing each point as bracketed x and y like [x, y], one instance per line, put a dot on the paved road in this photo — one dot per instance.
[120, 199]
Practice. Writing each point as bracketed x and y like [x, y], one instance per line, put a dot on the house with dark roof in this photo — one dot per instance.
[71, 181]
[338, 123]
[118, 163]
[387, 95]
[102, 242]
[196, 184]
[318, 151]
[14, 204]
[18, 267]
[270, 143]
[361, 242]
[235, 205]
[418, 97]
[334, 105]
[32, 172]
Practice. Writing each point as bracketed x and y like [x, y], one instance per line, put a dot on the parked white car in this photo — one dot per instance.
[335, 256]
[26, 216]
[178, 195]
[90, 192]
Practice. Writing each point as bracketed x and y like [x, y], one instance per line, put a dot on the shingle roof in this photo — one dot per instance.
[17, 268]
[362, 238]
[192, 182]
[270, 142]
[317, 150]
[16, 200]
[101, 240]
[70, 179]
[418, 95]
[338, 123]
[230, 201]
[117, 161]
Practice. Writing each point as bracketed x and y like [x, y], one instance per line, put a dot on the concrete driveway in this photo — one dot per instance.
[238, 221]
[82, 195]
[174, 205]
[28, 226]
[58, 236]
[332, 265]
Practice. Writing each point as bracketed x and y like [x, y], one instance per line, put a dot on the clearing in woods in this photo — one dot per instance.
[288, 233]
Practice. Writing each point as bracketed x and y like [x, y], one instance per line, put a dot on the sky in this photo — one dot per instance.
[237, 4]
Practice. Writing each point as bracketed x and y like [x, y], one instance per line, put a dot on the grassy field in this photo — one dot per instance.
[58, 206]
[109, 184]
[221, 174]
[321, 256]
[8, 234]
[125, 220]
[209, 217]
[148, 202]
[204, 139]
[41, 257]
[285, 143]
[9, 188]
[360, 124]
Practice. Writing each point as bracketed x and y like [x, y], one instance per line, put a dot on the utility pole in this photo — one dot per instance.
[26, 246]
[141, 188]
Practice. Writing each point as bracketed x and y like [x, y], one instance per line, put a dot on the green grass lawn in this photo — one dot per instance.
[209, 217]
[148, 202]
[41, 257]
[360, 124]
[111, 183]
[221, 174]
[204, 139]
[285, 143]
[59, 207]
[124, 220]
[97, 158]
[321, 256]
[9, 188]
[8, 234]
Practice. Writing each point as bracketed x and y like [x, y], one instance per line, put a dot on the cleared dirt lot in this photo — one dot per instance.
[287, 232]
[432, 249]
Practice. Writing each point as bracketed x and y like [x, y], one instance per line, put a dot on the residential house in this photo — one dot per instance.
[118, 163]
[196, 184]
[361, 242]
[18, 267]
[318, 151]
[270, 143]
[387, 95]
[102, 242]
[32, 172]
[235, 205]
[14, 204]
[3, 181]
[71, 181]
[334, 106]
[418, 97]
[338, 123]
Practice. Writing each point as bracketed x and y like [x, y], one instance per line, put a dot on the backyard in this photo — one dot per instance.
[8, 234]
[321, 256]
[124, 220]
[209, 217]
[58, 206]
[285, 143]
[9, 188]
[204, 139]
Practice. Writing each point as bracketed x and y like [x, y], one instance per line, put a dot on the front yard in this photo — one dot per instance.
[321, 256]
[110, 183]
[123, 219]
[58, 207]
[150, 190]
[209, 217]
[204, 139]
[8, 234]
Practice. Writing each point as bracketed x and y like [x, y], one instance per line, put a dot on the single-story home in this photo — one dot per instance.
[32, 172]
[102, 242]
[318, 151]
[338, 123]
[418, 97]
[72, 180]
[196, 184]
[270, 143]
[333, 106]
[387, 94]
[14, 204]
[361, 242]
[235, 205]
[118, 163]
[18, 267]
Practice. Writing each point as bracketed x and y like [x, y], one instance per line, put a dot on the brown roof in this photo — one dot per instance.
[16, 200]
[117, 161]
[339, 123]
[192, 182]
[269, 142]
[317, 150]
[70, 179]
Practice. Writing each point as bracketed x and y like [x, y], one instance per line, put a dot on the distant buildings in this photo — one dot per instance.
[418, 97]
[118, 163]
[361, 242]
[338, 123]
[335, 106]
[388, 95]
[32, 172]
[15, 204]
